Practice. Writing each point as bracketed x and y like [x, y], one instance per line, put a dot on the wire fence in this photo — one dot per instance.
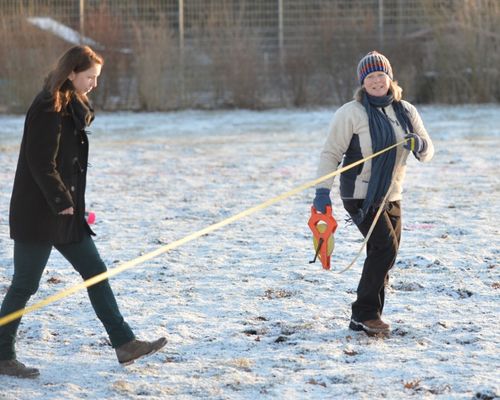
[172, 54]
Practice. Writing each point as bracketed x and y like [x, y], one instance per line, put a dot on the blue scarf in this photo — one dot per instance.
[382, 136]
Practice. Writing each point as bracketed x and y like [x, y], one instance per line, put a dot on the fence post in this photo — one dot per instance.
[280, 32]
[381, 24]
[281, 47]
[181, 25]
[82, 20]
[181, 49]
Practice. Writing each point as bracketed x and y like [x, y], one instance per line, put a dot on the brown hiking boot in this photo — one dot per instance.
[135, 349]
[17, 369]
[371, 327]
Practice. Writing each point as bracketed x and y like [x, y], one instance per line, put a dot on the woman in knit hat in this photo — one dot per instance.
[376, 119]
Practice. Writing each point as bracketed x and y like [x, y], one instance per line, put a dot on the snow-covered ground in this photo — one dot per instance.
[246, 315]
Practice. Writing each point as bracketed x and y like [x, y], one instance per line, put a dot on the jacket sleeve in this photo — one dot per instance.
[339, 137]
[418, 127]
[43, 132]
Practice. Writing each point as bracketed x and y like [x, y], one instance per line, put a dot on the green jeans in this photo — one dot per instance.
[30, 260]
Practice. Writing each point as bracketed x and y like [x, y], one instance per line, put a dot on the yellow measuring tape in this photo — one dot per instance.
[377, 215]
[148, 256]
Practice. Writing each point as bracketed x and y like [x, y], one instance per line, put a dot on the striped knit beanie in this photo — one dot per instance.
[373, 61]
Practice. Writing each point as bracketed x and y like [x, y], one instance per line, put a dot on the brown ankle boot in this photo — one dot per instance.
[17, 369]
[131, 351]
[371, 327]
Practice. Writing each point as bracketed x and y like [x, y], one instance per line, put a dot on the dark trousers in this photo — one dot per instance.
[30, 260]
[381, 252]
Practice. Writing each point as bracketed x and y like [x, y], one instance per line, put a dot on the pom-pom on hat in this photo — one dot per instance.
[373, 61]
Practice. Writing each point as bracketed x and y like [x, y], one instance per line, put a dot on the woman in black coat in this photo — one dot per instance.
[48, 206]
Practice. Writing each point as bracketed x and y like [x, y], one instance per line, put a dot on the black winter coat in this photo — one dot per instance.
[51, 174]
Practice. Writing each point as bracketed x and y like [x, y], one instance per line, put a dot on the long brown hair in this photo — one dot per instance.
[76, 59]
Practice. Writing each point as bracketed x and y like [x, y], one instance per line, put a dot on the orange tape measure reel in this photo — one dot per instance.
[322, 227]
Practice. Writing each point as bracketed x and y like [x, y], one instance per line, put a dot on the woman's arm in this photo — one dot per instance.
[42, 147]
[339, 137]
[418, 127]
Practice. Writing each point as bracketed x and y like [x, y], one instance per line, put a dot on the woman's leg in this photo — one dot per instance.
[381, 252]
[86, 260]
[394, 213]
[29, 262]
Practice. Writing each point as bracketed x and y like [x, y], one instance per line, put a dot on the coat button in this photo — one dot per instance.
[72, 188]
[57, 200]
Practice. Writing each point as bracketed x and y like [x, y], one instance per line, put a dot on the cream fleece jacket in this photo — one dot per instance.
[349, 140]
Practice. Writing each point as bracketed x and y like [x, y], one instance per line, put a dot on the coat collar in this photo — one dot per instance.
[81, 112]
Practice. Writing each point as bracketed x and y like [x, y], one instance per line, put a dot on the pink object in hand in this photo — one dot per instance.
[90, 215]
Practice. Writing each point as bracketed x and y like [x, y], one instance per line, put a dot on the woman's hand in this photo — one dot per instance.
[322, 200]
[414, 143]
[68, 211]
